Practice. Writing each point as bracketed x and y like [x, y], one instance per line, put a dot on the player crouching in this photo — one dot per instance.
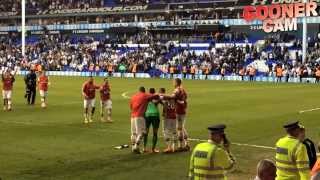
[89, 93]
[169, 123]
[106, 103]
[7, 81]
[43, 83]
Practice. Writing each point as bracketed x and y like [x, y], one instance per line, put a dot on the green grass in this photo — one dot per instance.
[54, 144]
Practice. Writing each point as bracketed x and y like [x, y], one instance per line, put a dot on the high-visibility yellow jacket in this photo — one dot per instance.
[291, 159]
[210, 161]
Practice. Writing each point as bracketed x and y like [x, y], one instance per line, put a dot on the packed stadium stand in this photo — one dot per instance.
[91, 35]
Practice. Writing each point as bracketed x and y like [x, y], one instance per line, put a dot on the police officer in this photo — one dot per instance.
[292, 160]
[212, 159]
[31, 85]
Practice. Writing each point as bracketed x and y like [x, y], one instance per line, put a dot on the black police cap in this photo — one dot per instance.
[219, 128]
[292, 125]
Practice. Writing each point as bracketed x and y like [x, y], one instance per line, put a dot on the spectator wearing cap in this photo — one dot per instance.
[266, 170]
[292, 160]
[212, 159]
[315, 172]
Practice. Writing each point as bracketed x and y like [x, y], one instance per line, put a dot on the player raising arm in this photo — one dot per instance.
[43, 83]
[89, 93]
[7, 81]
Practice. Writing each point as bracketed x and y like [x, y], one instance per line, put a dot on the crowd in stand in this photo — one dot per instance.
[33, 5]
[60, 53]
[13, 6]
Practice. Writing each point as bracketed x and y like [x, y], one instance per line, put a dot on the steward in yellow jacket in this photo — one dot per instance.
[212, 159]
[292, 160]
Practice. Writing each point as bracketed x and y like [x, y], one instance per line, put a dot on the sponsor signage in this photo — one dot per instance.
[96, 10]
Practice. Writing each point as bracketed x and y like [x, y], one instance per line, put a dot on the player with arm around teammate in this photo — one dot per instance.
[138, 106]
[89, 93]
[152, 117]
[106, 103]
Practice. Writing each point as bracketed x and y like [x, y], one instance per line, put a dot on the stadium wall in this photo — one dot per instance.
[167, 76]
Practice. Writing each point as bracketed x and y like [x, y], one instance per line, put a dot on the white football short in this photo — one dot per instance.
[138, 126]
[169, 127]
[107, 104]
[43, 93]
[180, 121]
[6, 94]
[89, 103]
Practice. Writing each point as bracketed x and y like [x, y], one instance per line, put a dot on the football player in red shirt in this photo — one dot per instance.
[89, 94]
[138, 106]
[169, 123]
[106, 103]
[7, 82]
[180, 97]
[43, 83]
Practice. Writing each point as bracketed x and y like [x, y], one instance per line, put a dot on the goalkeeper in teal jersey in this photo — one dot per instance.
[152, 117]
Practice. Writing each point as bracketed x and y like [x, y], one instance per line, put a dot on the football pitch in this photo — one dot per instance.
[54, 143]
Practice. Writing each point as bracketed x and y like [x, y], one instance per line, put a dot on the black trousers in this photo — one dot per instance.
[251, 78]
[31, 95]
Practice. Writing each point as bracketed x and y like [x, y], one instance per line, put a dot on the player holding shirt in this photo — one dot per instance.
[7, 81]
[138, 106]
[106, 103]
[169, 123]
[89, 94]
[43, 83]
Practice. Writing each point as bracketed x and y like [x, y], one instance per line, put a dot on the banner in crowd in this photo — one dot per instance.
[168, 76]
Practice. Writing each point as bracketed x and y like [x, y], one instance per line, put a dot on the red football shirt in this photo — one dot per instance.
[43, 83]
[105, 92]
[7, 82]
[89, 89]
[169, 111]
[139, 103]
[181, 100]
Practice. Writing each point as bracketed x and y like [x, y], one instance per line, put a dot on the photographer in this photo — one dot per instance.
[31, 85]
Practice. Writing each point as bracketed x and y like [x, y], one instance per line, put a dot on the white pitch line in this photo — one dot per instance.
[240, 144]
[123, 132]
[193, 139]
[308, 110]
[125, 96]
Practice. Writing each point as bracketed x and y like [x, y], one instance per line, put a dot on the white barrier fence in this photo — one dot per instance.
[168, 76]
